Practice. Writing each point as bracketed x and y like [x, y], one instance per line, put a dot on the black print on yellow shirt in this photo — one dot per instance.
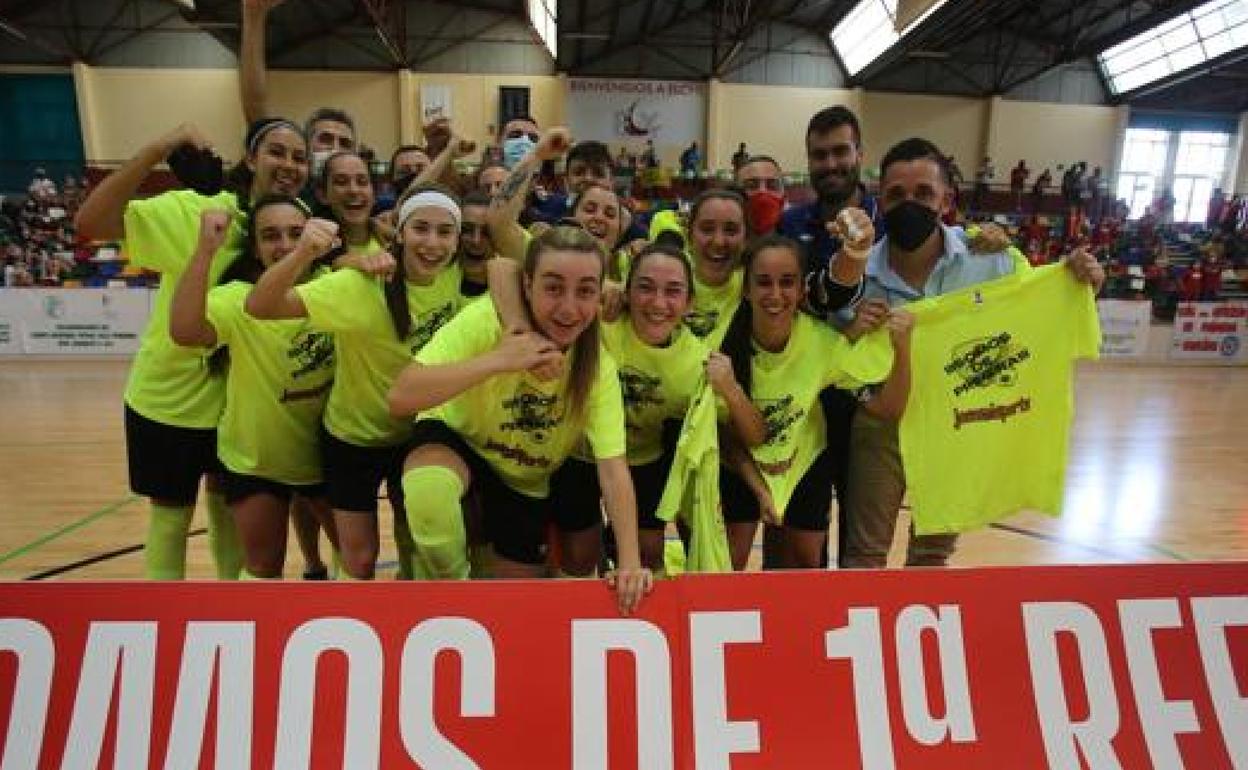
[427, 324]
[311, 351]
[701, 322]
[640, 390]
[986, 362]
[532, 412]
[780, 415]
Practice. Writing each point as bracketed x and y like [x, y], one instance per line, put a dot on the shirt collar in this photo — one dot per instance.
[879, 269]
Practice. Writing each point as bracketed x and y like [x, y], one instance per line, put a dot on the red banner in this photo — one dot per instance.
[1066, 667]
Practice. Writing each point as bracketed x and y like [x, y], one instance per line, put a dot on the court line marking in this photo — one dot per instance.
[1161, 550]
[100, 557]
[65, 530]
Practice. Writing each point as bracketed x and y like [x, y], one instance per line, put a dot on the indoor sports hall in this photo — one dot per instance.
[697, 372]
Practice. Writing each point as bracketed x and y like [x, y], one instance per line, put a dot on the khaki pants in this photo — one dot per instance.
[877, 485]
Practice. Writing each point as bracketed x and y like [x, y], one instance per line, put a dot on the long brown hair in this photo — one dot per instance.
[585, 348]
[738, 344]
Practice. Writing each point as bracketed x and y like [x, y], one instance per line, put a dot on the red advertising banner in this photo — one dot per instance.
[1064, 667]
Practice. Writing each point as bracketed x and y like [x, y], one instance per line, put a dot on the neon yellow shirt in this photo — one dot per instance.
[517, 422]
[657, 383]
[985, 431]
[168, 383]
[279, 378]
[785, 389]
[352, 306]
[692, 489]
[713, 308]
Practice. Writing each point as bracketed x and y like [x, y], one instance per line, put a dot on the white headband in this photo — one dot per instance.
[432, 199]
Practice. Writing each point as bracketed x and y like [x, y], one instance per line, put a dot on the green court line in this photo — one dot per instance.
[65, 530]
[1161, 549]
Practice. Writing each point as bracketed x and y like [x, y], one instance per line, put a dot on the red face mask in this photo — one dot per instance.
[763, 207]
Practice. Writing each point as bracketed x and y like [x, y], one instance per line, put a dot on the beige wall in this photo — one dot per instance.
[771, 120]
[123, 108]
[956, 125]
[370, 98]
[1046, 135]
[474, 100]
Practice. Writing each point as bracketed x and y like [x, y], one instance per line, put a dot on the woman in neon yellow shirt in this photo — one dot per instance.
[345, 189]
[661, 366]
[717, 235]
[277, 382]
[378, 325]
[490, 425]
[784, 358]
[173, 397]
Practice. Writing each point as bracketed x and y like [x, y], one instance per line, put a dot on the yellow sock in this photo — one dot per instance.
[227, 552]
[436, 519]
[164, 553]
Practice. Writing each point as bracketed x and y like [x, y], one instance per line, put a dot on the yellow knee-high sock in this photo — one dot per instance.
[164, 553]
[404, 545]
[227, 552]
[436, 519]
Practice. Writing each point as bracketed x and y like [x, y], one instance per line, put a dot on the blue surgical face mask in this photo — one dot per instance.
[515, 149]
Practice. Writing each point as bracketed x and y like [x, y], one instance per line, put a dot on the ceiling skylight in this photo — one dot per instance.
[870, 29]
[1185, 41]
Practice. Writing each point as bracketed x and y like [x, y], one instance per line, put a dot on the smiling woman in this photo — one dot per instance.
[379, 324]
[501, 411]
[174, 400]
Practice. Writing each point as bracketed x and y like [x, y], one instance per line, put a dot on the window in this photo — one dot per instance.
[1176, 45]
[544, 16]
[1198, 168]
[1144, 156]
[870, 29]
[1189, 163]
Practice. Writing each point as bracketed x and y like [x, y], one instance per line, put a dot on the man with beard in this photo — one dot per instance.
[475, 248]
[834, 273]
[834, 161]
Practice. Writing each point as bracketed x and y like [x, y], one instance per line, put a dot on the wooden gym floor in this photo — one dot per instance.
[1158, 471]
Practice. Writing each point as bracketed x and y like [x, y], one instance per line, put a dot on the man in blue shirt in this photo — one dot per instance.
[834, 162]
[917, 257]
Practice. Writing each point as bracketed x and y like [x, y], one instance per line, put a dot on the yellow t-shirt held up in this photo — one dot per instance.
[985, 431]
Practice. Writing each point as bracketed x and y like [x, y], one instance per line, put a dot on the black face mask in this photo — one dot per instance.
[198, 169]
[908, 224]
[402, 183]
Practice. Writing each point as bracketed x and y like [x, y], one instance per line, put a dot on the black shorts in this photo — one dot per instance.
[166, 462]
[808, 507]
[515, 524]
[839, 407]
[238, 486]
[575, 495]
[353, 473]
